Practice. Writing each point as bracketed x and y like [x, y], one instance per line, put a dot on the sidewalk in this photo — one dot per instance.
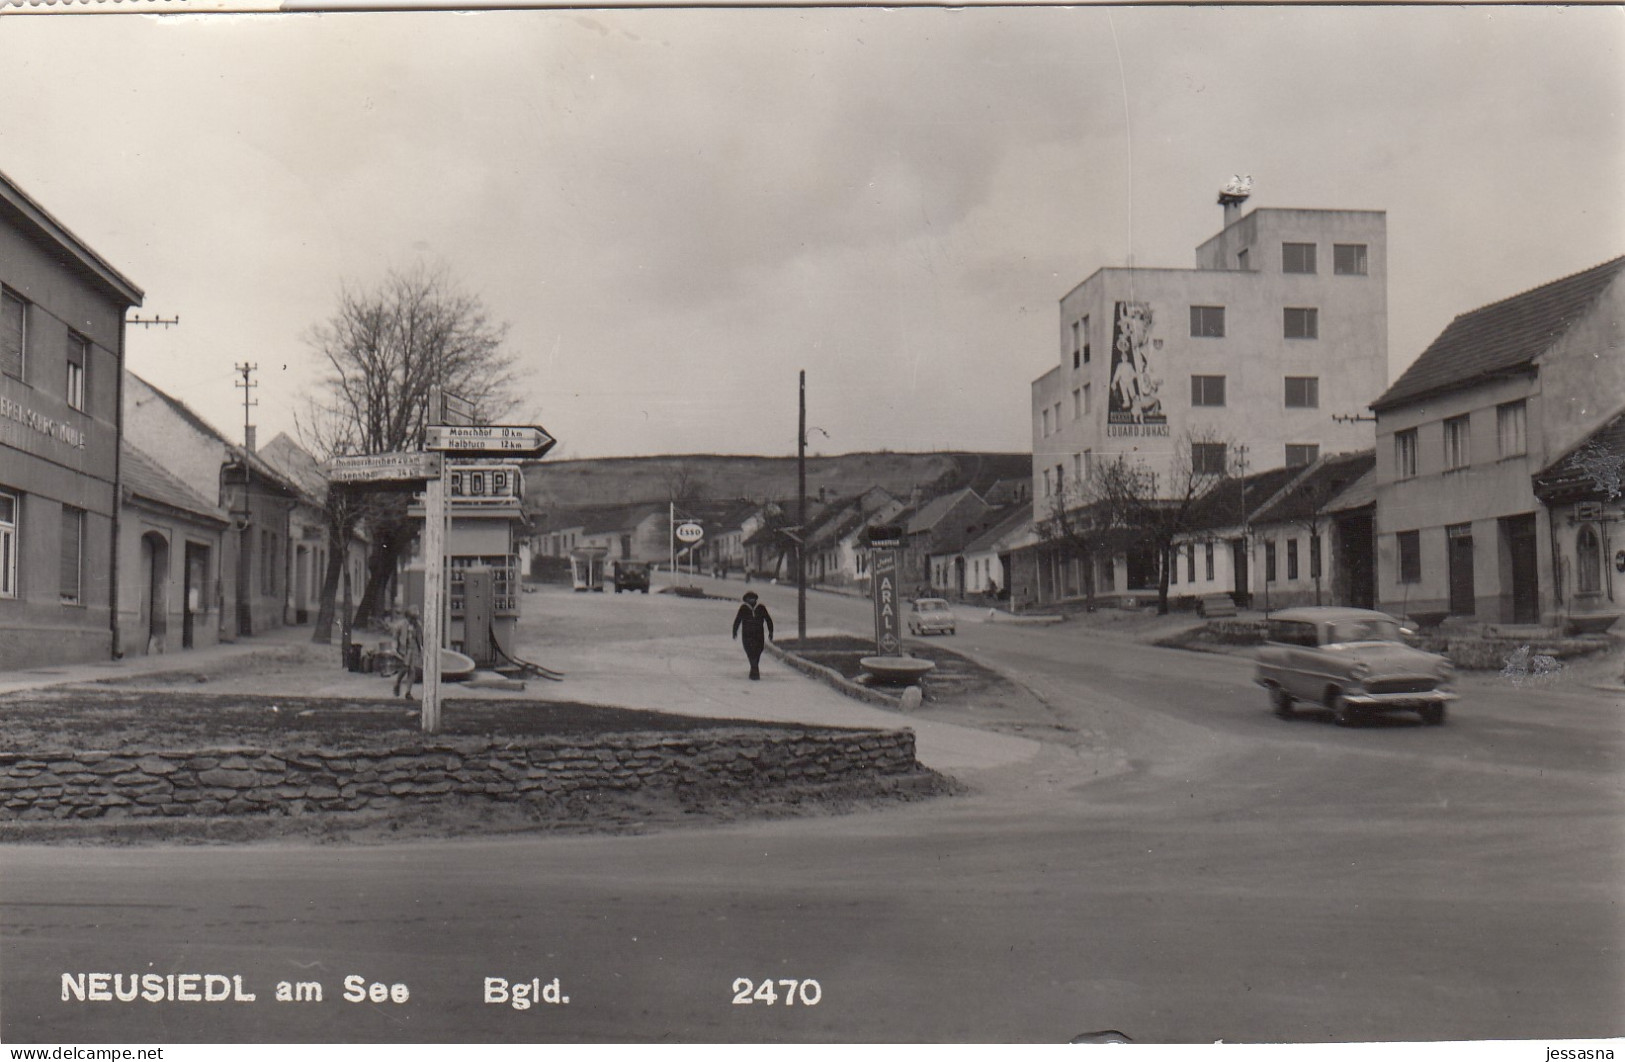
[623, 665]
[135, 667]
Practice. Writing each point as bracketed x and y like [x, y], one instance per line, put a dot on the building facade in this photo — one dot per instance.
[1263, 355]
[1500, 394]
[61, 358]
[171, 594]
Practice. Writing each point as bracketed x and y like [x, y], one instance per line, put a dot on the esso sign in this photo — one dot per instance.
[690, 532]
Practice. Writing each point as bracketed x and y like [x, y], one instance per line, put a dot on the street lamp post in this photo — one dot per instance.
[801, 503]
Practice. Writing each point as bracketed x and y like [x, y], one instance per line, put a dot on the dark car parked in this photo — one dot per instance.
[630, 575]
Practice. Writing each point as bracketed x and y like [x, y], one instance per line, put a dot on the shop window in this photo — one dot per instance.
[73, 555]
[8, 544]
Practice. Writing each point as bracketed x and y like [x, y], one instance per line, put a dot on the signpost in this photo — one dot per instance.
[406, 467]
[458, 439]
[475, 440]
[884, 543]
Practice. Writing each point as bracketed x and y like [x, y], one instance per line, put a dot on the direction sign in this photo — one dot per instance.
[511, 440]
[690, 532]
[383, 468]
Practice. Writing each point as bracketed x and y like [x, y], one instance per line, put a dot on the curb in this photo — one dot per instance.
[835, 679]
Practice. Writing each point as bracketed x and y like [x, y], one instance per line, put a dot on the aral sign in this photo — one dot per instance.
[887, 627]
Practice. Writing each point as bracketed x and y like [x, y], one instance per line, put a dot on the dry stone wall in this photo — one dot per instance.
[65, 784]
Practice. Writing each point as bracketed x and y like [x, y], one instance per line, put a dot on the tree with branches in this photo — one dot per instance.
[1124, 504]
[384, 348]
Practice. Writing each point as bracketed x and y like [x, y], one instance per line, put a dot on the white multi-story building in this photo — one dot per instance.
[1264, 355]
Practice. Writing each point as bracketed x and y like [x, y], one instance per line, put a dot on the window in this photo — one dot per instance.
[1297, 258]
[78, 358]
[1510, 423]
[1587, 561]
[1060, 479]
[1046, 422]
[1209, 550]
[1457, 443]
[1291, 558]
[1269, 561]
[1077, 402]
[1057, 416]
[1086, 402]
[1080, 342]
[1410, 556]
[1207, 321]
[1348, 259]
[1241, 259]
[1208, 459]
[1173, 566]
[1302, 322]
[1207, 390]
[1190, 563]
[1405, 453]
[73, 554]
[13, 335]
[1048, 486]
[1300, 454]
[1314, 556]
[1077, 346]
[1303, 392]
[8, 545]
[1078, 472]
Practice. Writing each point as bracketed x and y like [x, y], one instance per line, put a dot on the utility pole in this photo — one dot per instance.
[801, 504]
[247, 385]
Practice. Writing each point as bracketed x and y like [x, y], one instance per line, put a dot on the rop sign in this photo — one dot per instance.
[690, 532]
[887, 637]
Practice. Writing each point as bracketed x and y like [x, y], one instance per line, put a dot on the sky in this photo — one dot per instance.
[677, 211]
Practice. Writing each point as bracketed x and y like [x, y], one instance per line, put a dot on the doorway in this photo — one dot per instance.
[1522, 553]
[196, 578]
[1462, 599]
[155, 569]
[1238, 565]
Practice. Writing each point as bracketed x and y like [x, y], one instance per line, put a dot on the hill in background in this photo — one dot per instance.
[551, 486]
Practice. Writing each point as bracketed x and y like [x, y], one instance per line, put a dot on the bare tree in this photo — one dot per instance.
[1135, 505]
[384, 348]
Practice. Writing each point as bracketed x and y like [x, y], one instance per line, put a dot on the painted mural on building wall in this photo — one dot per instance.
[1133, 405]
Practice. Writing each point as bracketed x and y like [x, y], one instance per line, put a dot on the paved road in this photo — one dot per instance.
[1180, 865]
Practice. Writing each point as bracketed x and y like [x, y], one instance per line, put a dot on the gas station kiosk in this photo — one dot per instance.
[482, 560]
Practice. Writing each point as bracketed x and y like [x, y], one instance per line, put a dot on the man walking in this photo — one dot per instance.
[754, 619]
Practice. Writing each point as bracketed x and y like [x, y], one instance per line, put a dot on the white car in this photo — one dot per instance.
[1353, 661]
[931, 615]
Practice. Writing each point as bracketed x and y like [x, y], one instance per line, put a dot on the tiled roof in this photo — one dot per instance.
[145, 478]
[1228, 502]
[1591, 471]
[1502, 337]
[1311, 492]
[933, 511]
[1017, 516]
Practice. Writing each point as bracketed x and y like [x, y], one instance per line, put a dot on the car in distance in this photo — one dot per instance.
[630, 575]
[930, 615]
[1353, 661]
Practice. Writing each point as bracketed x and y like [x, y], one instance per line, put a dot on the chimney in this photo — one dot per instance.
[248, 438]
[1232, 196]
